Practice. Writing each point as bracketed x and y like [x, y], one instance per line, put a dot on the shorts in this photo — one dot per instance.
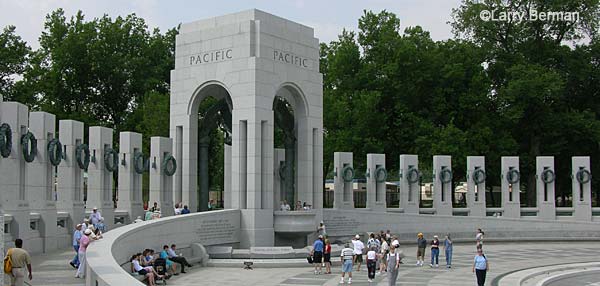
[347, 266]
[358, 258]
[143, 272]
[327, 257]
[318, 257]
[420, 251]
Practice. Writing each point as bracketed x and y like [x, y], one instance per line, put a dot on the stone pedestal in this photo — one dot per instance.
[100, 180]
[582, 205]
[475, 190]
[442, 191]
[343, 196]
[70, 175]
[511, 199]
[545, 189]
[161, 185]
[130, 182]
[376, 189]
[40, 181]
[410, 183]
[278, 161]
[13, 196]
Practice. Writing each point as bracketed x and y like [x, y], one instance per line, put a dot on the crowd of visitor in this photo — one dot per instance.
[383, 255]
[158, 266]
[299, 206]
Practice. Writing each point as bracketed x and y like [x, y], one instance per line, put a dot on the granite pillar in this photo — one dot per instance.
[442, 190]
[100, 179]
[476, 186]
[161, 185]
[582, 198]
[545, 179]
[376, 189]
[410, 184]
[130, 182]
[343, 196]
[511, 199]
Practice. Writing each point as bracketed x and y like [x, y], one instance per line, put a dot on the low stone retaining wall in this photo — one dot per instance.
[104, 257]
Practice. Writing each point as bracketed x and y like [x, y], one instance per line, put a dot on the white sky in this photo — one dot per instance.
[328, 18]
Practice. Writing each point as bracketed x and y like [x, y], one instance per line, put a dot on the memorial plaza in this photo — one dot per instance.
[235, 184]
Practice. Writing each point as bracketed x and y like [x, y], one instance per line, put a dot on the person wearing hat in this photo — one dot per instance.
[317, 254]
[95, 217]
[435, 252]
[76, 237]
[321, 229]
[359, 248]
[83, 244]
[347, 256]
[421, 245]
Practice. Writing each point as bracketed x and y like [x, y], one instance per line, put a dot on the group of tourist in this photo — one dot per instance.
[383, 249]
[300, 206]
[155, 266]
[84, 233]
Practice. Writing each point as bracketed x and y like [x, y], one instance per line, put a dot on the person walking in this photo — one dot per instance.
[84, 241]
[480, 267]
[448, 250]
[327, 256]
[421, 245]
[479, 238]
[347, 256]
[317, 254]
[393, 263]
[359, 247]
[321, 229]
[76, 237]
[385, 248]
[371, 262]
[20, 259]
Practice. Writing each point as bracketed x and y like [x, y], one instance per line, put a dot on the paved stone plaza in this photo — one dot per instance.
[504, 259]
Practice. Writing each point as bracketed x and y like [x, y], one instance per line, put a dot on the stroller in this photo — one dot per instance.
[160, 265]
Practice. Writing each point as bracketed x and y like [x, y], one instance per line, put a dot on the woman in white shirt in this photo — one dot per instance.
[371, 262]
[479, 238]
[147, 271]
[385, 248]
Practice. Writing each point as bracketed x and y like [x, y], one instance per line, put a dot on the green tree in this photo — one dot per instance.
[14, 58]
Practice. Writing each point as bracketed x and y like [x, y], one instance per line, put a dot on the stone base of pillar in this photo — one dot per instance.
[257, 228]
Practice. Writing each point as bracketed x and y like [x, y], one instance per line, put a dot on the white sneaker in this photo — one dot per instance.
[378, 272]
[316, 272]
[370, 280]
[418, 263]
[342, 281]
[349, 280]
[437, 265]
[431, 265]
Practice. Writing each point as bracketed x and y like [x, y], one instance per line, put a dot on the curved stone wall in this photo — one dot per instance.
[105, 257]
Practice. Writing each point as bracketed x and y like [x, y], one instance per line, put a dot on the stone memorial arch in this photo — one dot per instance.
[247, 60]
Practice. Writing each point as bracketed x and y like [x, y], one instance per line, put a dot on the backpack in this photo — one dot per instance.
[8, 262]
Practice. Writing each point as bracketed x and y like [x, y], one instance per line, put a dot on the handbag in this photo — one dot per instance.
[8, 262]
[309, 259]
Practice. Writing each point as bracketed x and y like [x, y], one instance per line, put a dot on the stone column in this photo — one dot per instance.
[376, 190]
[227, 176]
[40, 181]
[70, 175]
[410, 184]
[279, 160]
[511, 200]
[475, 188]
[130, 182]
[14, 199]
[100, 180]
[161, 185]
[343, 196]
[545, 187]
[582, 205]
[442, 192]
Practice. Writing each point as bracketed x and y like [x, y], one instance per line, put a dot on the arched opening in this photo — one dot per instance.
[211, 117]
[289, 113]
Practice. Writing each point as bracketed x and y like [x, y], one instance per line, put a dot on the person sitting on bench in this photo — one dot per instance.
[176, 258]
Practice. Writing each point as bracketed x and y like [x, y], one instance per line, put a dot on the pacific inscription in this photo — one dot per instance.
[211, 56]
[290, 58]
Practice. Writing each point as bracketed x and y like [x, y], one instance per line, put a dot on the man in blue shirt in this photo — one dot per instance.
[76, 237]
[317, 254]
